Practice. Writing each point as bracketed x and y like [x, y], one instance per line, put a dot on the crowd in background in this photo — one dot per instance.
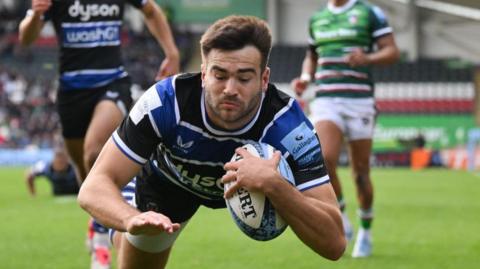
[28, 81]
[27, 112]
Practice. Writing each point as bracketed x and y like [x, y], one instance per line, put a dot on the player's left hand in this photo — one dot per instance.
[251, 173]
[357, 58]
[170, 66]
[150, 223]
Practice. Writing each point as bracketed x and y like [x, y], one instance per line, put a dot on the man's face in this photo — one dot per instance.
[233, 84]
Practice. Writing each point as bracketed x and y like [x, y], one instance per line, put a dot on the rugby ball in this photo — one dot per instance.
[252, 212]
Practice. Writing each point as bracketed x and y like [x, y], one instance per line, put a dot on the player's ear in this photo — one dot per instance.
[265, 78]
[203, 73]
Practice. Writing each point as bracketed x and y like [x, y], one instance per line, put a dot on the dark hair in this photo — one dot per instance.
[236, 32]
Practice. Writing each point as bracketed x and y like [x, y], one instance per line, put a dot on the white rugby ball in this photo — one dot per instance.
[252, 212]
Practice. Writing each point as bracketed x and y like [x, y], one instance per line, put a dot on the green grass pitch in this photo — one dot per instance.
[425, 219]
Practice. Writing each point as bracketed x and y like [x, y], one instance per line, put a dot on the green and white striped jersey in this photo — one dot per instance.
[334, 33]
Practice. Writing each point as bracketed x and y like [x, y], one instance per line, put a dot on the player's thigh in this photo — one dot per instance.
[106, 118]
[74, 148]
[130, 256]
[330, 127]
[331, 138]
[108, 113]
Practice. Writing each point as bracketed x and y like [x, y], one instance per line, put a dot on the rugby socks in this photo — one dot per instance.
[366, 217]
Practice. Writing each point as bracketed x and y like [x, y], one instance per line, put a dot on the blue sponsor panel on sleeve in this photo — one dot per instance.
[302, 144]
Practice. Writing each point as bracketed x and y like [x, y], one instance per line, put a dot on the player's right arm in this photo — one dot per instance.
[309, 64]
[32, 24]
[101, 197]
[29, 180]
[121, 159]
[39, 169]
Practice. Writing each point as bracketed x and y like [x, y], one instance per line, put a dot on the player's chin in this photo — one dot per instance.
[230, 116]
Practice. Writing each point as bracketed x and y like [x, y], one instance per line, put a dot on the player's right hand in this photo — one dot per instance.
[299, 86]
[40, 6]
[150, 223]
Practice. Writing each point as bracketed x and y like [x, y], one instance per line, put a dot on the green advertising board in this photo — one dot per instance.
[207, 11]
[440, 131]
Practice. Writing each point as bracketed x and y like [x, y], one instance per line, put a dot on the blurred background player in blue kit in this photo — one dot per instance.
[343, 39]
[59, 172]
[94, 88]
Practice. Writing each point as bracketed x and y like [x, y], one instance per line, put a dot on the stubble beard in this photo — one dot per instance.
[242, 115]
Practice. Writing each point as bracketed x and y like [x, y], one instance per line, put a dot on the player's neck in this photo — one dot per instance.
[338, 3]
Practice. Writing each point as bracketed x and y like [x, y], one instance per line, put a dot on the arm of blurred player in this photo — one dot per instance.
[299, 84]
[158, 25]
[101, 197]
[313, 214]
[30, 181]
[32, 24]
[387, 53]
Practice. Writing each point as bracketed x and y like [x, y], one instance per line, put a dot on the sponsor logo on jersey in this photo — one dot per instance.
[87, 11]
[342, 32]
[300, 140]
[204, 184]
[112, 94]
[183, 145]
[81, 35]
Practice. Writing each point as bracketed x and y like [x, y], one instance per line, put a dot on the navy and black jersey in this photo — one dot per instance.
[89, 35]
[63, 182]
[169, 128]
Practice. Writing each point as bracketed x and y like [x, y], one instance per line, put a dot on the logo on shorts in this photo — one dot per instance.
[365, 121]
[151, 206]
[111, 94]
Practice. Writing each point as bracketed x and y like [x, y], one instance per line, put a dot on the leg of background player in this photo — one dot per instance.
[106, 117]
[360, 160]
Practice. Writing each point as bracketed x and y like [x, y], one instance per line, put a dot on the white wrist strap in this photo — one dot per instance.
[306, 77]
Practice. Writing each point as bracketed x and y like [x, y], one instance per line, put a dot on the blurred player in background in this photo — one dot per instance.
[59, 172]
[94, 88]
[342, 43]
[180, 137]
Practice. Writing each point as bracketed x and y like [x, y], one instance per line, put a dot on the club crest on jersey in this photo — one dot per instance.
[93, 10]
[353, 19]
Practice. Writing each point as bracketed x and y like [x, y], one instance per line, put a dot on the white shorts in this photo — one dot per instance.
[354, 116]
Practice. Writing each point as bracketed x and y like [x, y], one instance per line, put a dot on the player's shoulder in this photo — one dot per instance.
[177, 84]
[188, 89]
[319, 13]
[187, 81]
[40, 167]
[370, 7]
[277, 99]
[281, 108]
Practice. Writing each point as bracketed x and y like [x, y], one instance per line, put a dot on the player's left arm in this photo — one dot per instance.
[383, 37]
[29, 180]
[157, 24]
[313, 214]
[387, 53]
